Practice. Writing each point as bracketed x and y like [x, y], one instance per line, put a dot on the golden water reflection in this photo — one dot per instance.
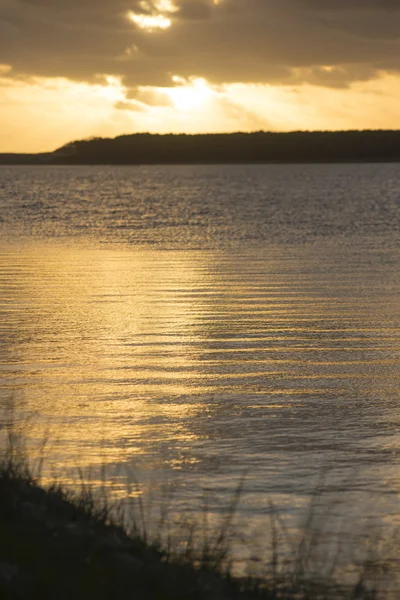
[204, 364]
[89, 336]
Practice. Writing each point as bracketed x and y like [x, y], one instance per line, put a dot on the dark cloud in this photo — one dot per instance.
[195, 9]
[277, 41]
[350, 5]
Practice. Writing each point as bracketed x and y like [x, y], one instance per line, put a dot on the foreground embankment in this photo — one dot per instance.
[59, 545]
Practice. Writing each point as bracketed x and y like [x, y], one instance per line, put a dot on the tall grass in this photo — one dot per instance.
[190, 558]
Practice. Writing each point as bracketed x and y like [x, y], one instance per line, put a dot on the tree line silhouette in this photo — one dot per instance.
[258, 147]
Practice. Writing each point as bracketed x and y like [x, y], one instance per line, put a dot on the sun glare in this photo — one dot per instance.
[150, 22]
[166, 6]
[190, 95]
[155, 15]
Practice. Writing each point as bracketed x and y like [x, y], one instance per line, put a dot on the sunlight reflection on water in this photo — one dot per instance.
[199, 366]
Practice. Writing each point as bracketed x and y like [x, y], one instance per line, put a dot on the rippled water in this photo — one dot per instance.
[201, 323]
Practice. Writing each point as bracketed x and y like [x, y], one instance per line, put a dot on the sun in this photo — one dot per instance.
[190, 95]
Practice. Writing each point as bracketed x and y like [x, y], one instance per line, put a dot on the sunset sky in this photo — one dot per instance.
[71, 69]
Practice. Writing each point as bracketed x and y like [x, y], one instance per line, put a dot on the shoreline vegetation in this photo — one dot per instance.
[62, 544]
[233, 148]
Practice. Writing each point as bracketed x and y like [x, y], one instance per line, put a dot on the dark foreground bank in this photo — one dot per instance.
[54, 545]
[233, 148]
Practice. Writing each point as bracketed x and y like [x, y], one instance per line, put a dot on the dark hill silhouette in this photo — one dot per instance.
[24, 159]
[259, 147]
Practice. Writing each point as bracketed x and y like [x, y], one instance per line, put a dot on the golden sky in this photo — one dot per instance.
[71, 69]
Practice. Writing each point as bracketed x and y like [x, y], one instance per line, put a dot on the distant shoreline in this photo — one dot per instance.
[22, 163]
[302, 147]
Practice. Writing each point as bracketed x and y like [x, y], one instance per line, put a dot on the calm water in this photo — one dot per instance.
[198, 323]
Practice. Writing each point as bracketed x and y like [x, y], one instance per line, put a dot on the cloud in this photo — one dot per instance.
[44, 114]
[41, 115]
[195, 9]
[325, 42]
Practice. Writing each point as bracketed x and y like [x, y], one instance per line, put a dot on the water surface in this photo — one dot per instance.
[200, 323]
